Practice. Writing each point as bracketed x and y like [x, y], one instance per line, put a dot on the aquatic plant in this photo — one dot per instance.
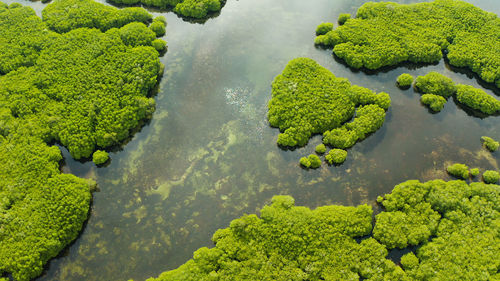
[387, 33]
[158, 26]
[434, 102]
[336, 156]
[477, 99]
[405, 80]
[453, 223]
[308, 99]
[343, 18]
[436, 84]
[458, 170]
[474, 172]
[324, 28]
[100, 157]
[312, 161]
[320, 148]
[490, 143]
[491, 176]
[188, 8]
[83, 87]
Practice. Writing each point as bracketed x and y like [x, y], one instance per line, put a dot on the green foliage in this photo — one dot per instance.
[474, 172]
[436, 84]
[100, 157]
[477, 99]
[308, 99]
[405, 80]
[434, 102]
[312, 161]
[387, 33]
[197, 8]
[324, 28]
[137, 34]
[490, 143]
[455, 224]
[320, 149]
[458, 170]
[83, 88]
[65, 15]
[491, 176]
[343, 18]
[159, 45]
[158, 26]
[336, 156]
[369, 119]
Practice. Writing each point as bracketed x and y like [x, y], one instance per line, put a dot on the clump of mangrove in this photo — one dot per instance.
[387, 33]
[491, 176]
[82, 77]
[100, 157]
[491, 144]
[336, 156]
[312, 161]
[405, 80]
[453, 224]
[434, 102]
[320, 148]
[458, 170]
[198, 9]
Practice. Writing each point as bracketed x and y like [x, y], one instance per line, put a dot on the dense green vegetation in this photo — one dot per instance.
[324, 28]
[387, 33]
[308, 99]
[85, 87]
[188, 8]
[320, 148]
[477, 99]
[458, 170]
[491, 176]
[491, 144]
[474, 172]
[434, 102]
[405, 80]
[312, 161]
[436, 84]
[437, 88]
[455, 226]
[100, 157]
[336, 156]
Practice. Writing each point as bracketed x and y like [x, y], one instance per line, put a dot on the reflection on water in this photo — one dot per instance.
[208, 155]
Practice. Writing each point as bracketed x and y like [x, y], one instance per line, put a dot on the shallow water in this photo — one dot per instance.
[208, 155]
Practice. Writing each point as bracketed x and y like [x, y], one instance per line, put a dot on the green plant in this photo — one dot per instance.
[458, 170]
[436, 84]
[434, 102]
[490, 143]
[474, 172]
[405, 80]
[320, 149]
[477, 99]
[343, 18]
[387, 33]
[100, 157]
[491, 176]
[336, 156]
[304, 161]
[324, 28]
[314, 160]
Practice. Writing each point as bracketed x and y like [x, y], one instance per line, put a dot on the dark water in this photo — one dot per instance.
[208, 154]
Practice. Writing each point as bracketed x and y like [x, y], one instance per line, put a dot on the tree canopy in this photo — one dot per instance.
[454, 226]
[198, 9]
[387, 33]
[308, 99]
[71, 78]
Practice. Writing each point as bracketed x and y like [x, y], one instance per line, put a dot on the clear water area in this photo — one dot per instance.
[208, 155]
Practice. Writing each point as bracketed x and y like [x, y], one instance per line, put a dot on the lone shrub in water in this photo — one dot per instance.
[314, 160]
[320, 148]
[436, 84]
[100, 157]
[405, 80]
[336, 156]
[434, 102]
[490, 143]
[304, 161]
[474, 172]
[491, 176]
[458, 170]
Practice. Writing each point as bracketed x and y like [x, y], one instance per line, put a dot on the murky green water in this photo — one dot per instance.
[208, 155]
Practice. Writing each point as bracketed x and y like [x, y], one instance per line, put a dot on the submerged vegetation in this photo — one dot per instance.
[308, 99]
[387, 33]
[453, 224]
[81, 77]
